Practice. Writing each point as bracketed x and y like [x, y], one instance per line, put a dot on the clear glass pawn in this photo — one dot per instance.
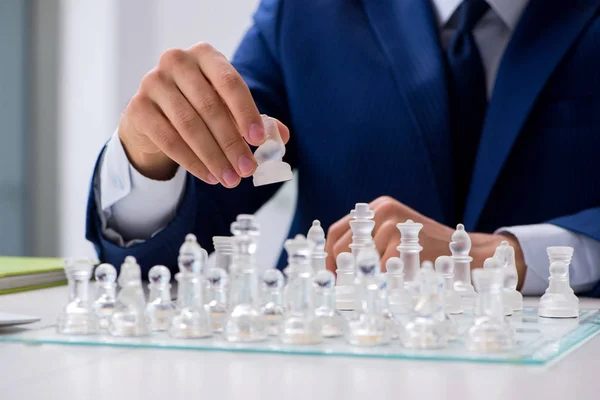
[494, 263]
[106, 292]
[316, 235]
[129, 317]
[78, 317]
[218, 283]
[272, 310]
[300, 325]
[490, 331]
[452, 301]
[400, 300]
[269, 156]
[368, 327]
[332, 322]
[160, 308]
[345, 292]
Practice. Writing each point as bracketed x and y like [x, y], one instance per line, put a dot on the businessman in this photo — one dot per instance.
[485, 112]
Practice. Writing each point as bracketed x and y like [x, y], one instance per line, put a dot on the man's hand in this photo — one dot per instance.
[195, 110]
[434, 237]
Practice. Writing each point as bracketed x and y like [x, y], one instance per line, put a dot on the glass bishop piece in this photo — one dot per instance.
[106, 289]
[160, 307]
[490, 331]
[78, 317]
[316, 235]
[460, 247]
[217, 297]
[300, 325]
[129, 317]
[332, 322]
[272, 310]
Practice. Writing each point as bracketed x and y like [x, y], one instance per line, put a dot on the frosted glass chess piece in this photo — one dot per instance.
[106, 292]
[393, 325]
[362, 225]
[409, 249]
[505, 253]
[300, 324]
[400, 301]
[452, 301]
[558, 301]
[191, 248]
[460, 246]
[299, 251]
[490, 331]
[316, 235]
[160, 307]
[272, 311]
[494, 263]
[564, 254]
[368, 326]
[78, 317]
[129, 317]
[332, 322]
[191, 319]
[217, 282]
[345, 291]
[429, 327]
[269, 157]
[244, 322]
[223, 251]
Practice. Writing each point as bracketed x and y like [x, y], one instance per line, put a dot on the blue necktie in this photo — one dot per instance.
[468, 100]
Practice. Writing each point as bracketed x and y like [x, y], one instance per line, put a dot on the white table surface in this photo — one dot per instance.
[87, 373]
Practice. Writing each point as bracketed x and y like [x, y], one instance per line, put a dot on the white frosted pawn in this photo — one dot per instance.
[300, 325]
[332, 322]
[345, 292]
[78, 317]
[494, 263]
[409, 249]
[490, 331]
[217, 283]
[400, 300]
[505, 253]
[558, 302]
[129, 317]
[564, 254]
[191, 319]
[362, 225]
[428, 327]
[160, 307]
[460, 246]
[106, 292]
[272, 311]
[452, 301]
[316, 235]
[191, 248]
[299, 251]
[223, 252]
[368, 327]
[269, 157]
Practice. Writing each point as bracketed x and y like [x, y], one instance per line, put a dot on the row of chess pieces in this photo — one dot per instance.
[243, 302]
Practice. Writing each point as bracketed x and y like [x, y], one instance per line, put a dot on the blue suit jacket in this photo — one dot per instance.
[361, 84]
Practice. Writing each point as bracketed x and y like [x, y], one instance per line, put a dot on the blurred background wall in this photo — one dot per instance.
[78, 63]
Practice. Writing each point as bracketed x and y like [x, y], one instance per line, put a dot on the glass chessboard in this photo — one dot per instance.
[539, 341]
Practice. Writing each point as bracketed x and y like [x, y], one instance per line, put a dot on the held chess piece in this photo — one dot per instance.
[300, 325]
[129, 317]
[505, 253]
[409, 249]
[400, 300]
[490, 331]
[191, 319]
[368, 327]
[78, 317]
[452, 301]
[106, 289]
[362, 225]
[216, 306]
[558, 301]
[460, 246]
[269, 157]
[332, 322]
[272, 284]
[160, 308]
[316, 235]
[494, 263]
[429, 327]
[223, 252]
[345, 292]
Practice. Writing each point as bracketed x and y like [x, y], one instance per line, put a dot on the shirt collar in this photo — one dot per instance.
[509, 11]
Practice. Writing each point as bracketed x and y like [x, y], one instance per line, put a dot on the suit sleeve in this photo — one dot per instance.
[207, 210]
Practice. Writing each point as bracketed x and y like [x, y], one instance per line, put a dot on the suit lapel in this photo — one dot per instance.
[409, 37]
[543, 36]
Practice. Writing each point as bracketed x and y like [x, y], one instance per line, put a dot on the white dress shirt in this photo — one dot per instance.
[133, 208]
